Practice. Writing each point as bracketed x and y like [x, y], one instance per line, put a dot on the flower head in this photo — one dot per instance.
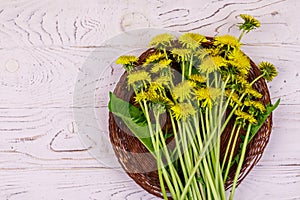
[153, 58]
[238, 59]
[182, 90]
[256, 104]
[227, 40]
[128, 61]
[234, 98]
[208, 66]
[191, 40]
[253, 92]
[162, 40]
[141, 96]
[138, 76]
[246, 116]
[207, 96]
[249, 23]
[161, 65]
[182, 111]
[268, 70]
[197, 78]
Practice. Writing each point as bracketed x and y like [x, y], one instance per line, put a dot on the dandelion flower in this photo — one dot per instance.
[219, 61]
[253, 92]
[197, 78]
[191, 40]
[141, 96]
[162, 40]
[268, 70]
[153, 58]
[256, 104]
[243, 115]
[127, 60]
[238, 59]
[182, 111]
[182, 90]
[208, 66]
[162, 64]
[138, 76]
[227, 40]
[249, 23]
[234, 97]
[207, 95]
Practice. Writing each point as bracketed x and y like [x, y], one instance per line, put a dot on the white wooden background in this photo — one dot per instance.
[43, 45]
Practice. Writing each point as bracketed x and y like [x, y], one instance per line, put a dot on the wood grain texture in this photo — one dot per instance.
[43, 47]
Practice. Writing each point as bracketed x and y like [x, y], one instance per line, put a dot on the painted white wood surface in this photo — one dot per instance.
[44, 44]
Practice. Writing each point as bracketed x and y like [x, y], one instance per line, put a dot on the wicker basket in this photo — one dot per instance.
[123, 142]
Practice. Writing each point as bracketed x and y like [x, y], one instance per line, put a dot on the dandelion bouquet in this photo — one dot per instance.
[197, 107]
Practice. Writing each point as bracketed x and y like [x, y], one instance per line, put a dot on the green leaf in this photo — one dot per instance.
[262, 118]
[133, 118]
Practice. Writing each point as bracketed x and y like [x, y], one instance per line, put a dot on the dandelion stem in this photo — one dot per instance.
[241, 161]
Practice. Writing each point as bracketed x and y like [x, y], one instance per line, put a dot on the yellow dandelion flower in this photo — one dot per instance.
[238, 59]
[234, 97]
[155, 87]
[253, 92]
[161, 40]
[182, 90]
[202, 93]
[197, 78]
[219, 61]
[141, 96]
[162, 64]
[242, 81]
[153, 58]
[182, 111]
[191, 40]
[256, 104]
[127, 60]
[137, 76]
[249, 23]
[245, 116]
[207, 95]
[268, 70]
[208, 66]
[152, 95]
[228, 40]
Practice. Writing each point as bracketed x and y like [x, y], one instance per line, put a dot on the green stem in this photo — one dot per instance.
[257, 78]
[241, 161]
[182, 70]
[176, 183]
[156, 149]
[231, 153]
[228, 146]
[191, 65]
[187, 156]
[241, 35]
